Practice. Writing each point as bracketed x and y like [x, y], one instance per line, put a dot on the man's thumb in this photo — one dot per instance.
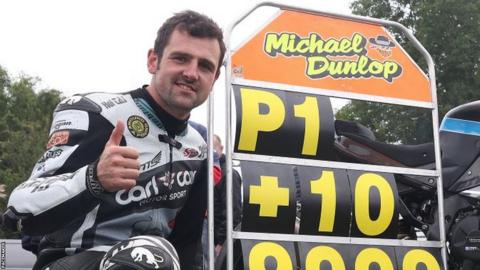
[117, 133]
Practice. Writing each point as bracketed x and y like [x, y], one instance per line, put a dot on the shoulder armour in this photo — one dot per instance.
[78, 102]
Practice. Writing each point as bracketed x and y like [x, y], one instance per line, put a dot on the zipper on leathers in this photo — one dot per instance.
[172, 143]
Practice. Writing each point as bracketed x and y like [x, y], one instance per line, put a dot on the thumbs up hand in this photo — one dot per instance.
[118, 166]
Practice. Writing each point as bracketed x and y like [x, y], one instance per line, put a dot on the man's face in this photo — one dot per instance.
[184, 77]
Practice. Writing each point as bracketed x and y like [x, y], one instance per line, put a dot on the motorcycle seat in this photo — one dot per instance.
[409, 155]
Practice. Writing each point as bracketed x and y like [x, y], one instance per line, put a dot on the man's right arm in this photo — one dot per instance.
[58, 189]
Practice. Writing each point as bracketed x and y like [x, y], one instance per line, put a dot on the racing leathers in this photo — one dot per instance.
[64, 202]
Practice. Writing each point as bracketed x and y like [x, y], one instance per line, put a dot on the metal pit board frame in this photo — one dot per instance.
[429, 101]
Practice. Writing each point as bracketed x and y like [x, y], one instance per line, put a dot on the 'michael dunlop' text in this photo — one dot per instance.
[337, 58]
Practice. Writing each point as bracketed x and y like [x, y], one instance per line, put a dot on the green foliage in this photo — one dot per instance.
[449, 30]
[25, 116]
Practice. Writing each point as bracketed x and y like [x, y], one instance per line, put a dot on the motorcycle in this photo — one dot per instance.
[460, 157]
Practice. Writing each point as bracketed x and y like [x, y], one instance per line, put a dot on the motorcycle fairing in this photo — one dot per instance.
[460, 144]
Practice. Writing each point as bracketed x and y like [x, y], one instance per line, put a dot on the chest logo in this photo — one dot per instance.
[137, 126]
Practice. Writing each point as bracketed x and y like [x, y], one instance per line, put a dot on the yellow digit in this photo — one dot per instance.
[323, 253]
[253, 121]
[309, 111]
[258, 254]
[370, 255]
[362, 204]
[325, 186]
[415, 256]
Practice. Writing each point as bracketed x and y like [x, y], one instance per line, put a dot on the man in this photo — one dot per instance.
[220, 199]
[220, 215]
[124, 171]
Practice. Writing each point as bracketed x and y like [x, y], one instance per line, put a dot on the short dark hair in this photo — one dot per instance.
[196, 25]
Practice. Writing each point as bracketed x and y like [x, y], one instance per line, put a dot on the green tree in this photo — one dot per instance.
[449, 30]
[25, 116]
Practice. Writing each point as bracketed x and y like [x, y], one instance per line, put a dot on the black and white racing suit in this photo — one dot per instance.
[63, 202]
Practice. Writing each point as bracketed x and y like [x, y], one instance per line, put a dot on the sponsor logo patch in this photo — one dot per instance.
[137, 126]
[58, 138]
[62, 124]
[190, 152]
[139, 193]
[41, 184]
[50, 154]
[203, 151]
[152, 163]
[110, 103]
[70, 119]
